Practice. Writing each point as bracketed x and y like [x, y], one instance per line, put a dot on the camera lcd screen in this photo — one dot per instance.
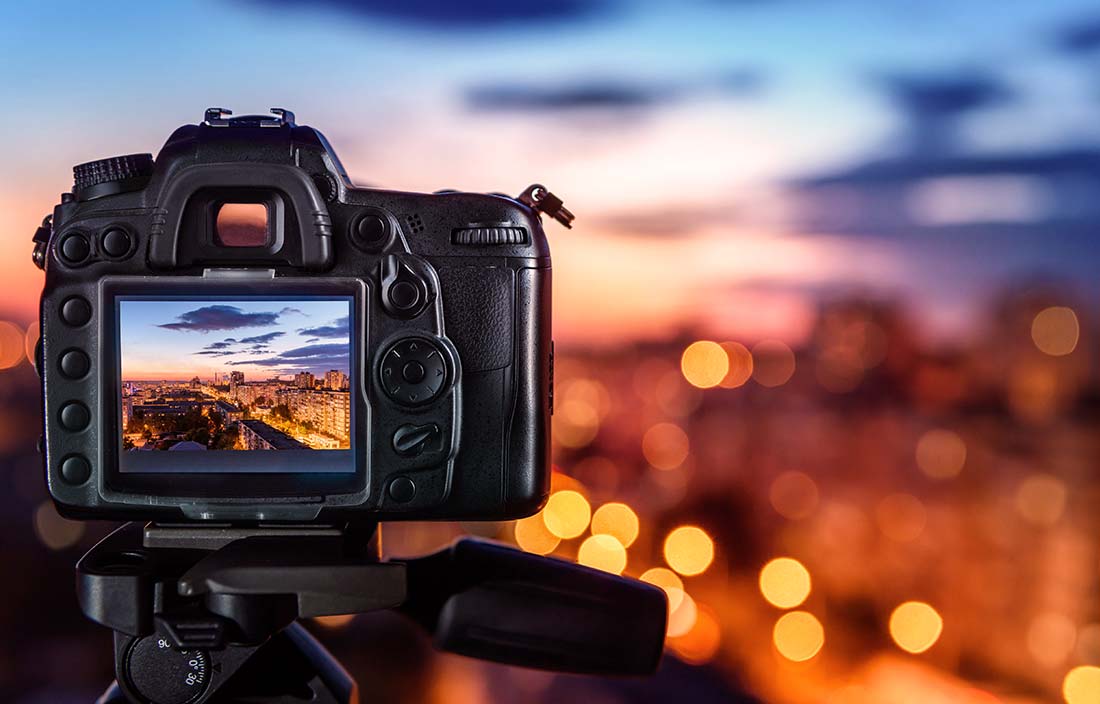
[235, 384]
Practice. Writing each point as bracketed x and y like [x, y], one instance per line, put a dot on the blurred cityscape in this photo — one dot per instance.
[827, 358]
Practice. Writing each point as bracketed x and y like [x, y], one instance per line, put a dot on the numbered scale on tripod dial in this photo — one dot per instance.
[164, 675]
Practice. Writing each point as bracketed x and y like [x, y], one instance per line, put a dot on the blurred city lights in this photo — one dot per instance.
[575, 423]
[335, 623]
[915, 626]
[1082, 685]
[566, 514]
[682, 618]
[1088, 643]
[704, 364]
[794, 495]
[669, 581]
[773, 363]
[699, 645]
[30, 340]
[901, 517]
[740, 365]
[532, 535]
[689, 550]
[1055, 331]
[941, 453]
[55, 532]
[12, 345]
[1041, 499]
[665, 446]
[785, 582]
[798, 636]
[1050, 638]
[617, 520]
[603, 552]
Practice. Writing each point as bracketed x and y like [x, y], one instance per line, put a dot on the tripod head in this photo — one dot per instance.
[207, 614]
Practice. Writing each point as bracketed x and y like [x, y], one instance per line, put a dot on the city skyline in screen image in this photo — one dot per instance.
[235, 374]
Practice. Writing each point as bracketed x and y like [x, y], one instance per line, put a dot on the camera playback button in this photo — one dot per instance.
[75, 416]
[76, 311]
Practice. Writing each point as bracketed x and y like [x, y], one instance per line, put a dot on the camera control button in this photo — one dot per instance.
[116, 242]
[371, 232]
[74, 364]
[75, 416]
[75, 248]
[413, 372]
[402, 490]
[75, 470]
[76, 311]
[411, 440]
[404, 293]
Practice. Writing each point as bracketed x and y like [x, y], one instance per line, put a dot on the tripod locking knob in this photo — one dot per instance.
[164, 675]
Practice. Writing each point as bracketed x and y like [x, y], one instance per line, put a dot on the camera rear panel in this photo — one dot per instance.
[440, 374]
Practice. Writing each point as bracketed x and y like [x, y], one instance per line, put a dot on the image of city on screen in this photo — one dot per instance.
[235, 374]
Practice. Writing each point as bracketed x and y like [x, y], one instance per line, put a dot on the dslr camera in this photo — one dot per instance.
[233, 332]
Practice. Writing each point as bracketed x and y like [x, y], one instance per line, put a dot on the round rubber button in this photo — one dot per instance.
[76, 311]
[116, 242]
[413, 372]
[75, 416]
[371, 232]
[75, 469]
[74, 364]
[75, 248]
[402, 489]
[404, 295]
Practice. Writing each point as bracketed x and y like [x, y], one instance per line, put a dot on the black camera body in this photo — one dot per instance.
[235, 333]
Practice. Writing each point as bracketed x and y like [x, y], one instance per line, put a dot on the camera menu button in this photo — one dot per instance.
[75, 470]
[74, 364]
[76, 311]
[75, 416]
[75, 248]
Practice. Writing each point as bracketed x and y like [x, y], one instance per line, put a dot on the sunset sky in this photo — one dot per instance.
[178, 340]
[674, 131]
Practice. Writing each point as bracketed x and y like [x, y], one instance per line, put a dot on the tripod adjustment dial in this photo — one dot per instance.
[163, 675]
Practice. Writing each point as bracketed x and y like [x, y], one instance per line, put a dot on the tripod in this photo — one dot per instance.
[208, 614]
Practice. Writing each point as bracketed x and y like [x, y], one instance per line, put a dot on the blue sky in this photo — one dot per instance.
[624, 108]
[179, 339]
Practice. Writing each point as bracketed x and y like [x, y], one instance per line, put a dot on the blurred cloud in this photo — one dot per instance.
[466, 15]
[610, 94]
[945, 94]
[220, 317]
[672, 221]
[1081, 37]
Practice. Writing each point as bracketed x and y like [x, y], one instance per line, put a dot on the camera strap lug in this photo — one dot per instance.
[539, 198]
[41, 241]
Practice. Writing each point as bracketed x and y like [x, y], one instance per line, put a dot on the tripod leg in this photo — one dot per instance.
[290, 668]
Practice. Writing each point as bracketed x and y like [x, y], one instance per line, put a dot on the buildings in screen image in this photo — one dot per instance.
[239, 375]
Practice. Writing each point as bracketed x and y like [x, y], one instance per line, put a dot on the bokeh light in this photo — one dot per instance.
[704, 364]
[901, 517]
[532, 535]
[12, 345]
[30, 341]
[665, 446]
[56, 532]
[1041, 499]
[603, 552]
[941, 454]
[915, 626]
[566, 514]
[740, 365]
[617, 520]
[794, 495]
[700, 644]
[669, 581]
[1051, 637]
[335, 623]
[1082, 685]
[785, 582]
[798, 636]
[1055, 331]
[773, 363]
[689, 550]
[682, 618]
